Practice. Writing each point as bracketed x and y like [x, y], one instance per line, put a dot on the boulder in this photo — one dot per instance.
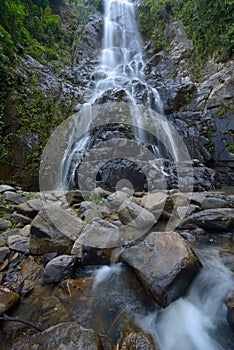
[135, 338]
[18, 243]
[3, 253]
[136, 216]
[21, 219]
[165, 264]
[213, 220]
[74, 197]
[230, 314]
[96, 243]
[58, 268]
[5, 188]
[64, 336]
[154, 201]
[54, 230]
[4, 224]
[30, 208]
[13, 198]
[7, 299]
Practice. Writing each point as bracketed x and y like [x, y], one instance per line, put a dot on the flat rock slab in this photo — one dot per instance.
[30, 208]
[64, 336]
[54, 230]
[211, 220]
[13, 198]
[165, 264]
[4, 188]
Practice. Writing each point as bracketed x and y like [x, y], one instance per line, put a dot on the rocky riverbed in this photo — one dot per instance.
[56, 248]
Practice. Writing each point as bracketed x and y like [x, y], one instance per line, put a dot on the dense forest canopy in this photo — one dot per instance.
[209, 23]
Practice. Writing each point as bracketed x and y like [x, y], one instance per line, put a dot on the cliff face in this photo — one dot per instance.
[44, 94]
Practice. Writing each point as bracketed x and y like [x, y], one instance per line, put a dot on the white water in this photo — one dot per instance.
[195, 322]
[121, 72]
[105, 272]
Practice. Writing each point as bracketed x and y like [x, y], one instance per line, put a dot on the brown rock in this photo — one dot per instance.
[7, 299]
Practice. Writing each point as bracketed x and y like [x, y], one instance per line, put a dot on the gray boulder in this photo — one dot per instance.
[136, 216]
[165, 264]
[54, 230]
[30, 208]
[18, 243]
[4, 224]
[58, 268]
[13, 198]
[213, 220]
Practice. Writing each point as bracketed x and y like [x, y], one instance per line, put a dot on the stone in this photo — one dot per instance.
[74, 197]
[230, 200]
[230, 311]
[58, 268]
[13, 198]
[212, 220]
[4, 224]
[64, 336]
[135, 338]
[4, 188]
[165, 264]
[185, 211]
[30, 208]
[21, 219]
[136, 216]
[4, 236]
[214, 203]
[3, 253]
[7, 299]
[54, 230]
[96, 243]
[18, 243]
[154, 201]
[115, 199]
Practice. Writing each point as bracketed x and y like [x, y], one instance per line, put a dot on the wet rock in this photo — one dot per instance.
[134, 215]
[4, 188]
[30, 208]
[54, 230]
[4, 224]
[134, 338]
[230, 314]
[230, 200]
[96, 243]
[7, 299]
[30, 275]
[188, 236]
[165, 264]
[18, 243]
[13, 198]
[66, 336]
[58, 268]
[214, 220]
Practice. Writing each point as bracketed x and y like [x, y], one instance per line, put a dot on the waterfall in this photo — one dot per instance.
[120, 77]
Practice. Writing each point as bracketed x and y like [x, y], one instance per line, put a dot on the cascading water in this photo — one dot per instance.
[120, 76]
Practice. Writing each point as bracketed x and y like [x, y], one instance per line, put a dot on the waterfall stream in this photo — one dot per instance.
[120, 77]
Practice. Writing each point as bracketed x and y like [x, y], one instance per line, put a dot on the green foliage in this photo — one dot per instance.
[222, 111]
[208, 23]
[93, 198]
[230, 147]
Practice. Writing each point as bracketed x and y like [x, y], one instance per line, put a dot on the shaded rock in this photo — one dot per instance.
[134, 338]
[58, 268]
[165, 264]
[3, 253]
[134, 215]
[188, 236]
[74, 197]
[18, 243]
[4, 236]
[64, 336]
[185, 211]
[7, 299]
[221, 220]
[30, 274]
[13, 198]
[4, 224]
[230, 200]
[30, 208]
[96, 243]
[22, 219]
[214, 203]
[54, 230]
[4, 188]
[230, 314]
[90, 214]
[85, 205]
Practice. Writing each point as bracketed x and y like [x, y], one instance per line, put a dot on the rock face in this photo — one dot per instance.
[134, 338]
[54, 230]
[165, 264]
[66, 336]
[7, 299]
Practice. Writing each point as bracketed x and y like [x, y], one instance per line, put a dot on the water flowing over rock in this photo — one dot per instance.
[165, 264]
